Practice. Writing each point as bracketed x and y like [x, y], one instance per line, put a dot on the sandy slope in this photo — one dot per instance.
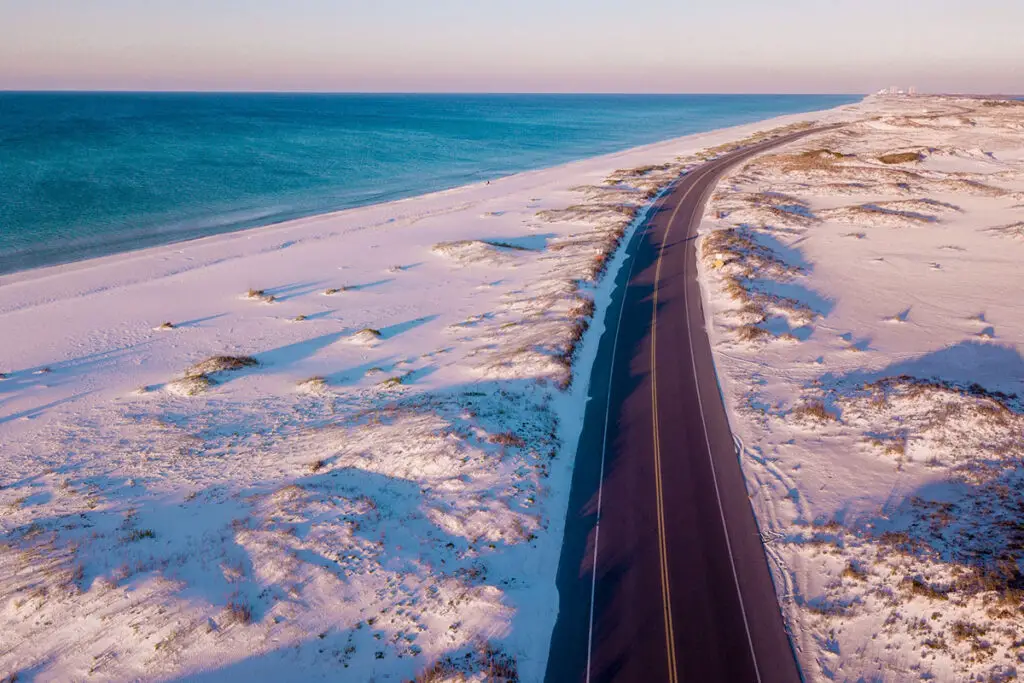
[374, 478]
[868, 333]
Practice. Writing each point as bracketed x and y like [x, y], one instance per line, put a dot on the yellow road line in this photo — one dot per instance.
[666, 594]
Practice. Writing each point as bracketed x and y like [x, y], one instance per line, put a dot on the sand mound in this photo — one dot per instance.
[469, 252]
[314, 386]
[604, 212]
[197, 378]
[876, 215]
[220, 364]
[367, 335]
[189, 385]
[919, 206]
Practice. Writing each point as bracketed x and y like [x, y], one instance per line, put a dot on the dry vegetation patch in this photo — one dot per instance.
[1013, 230]
[367, 335]
[215, 364]
[484, 664]
[901, 157]
[260, 295]
[479, 252]
[198, 378]
[744, 269]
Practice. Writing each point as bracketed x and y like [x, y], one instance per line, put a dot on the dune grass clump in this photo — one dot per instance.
[596, 212]
[814, 411]
[260, 295]
[751, 333]
[509, 439]
[506, 245]
[312, 385]
[198, 378]
[900, 158]
[238, 612]
[216, 364]
[140, 534]
[367, 335]
[495, 665]
[190, 385]
[810, 160]
[581, 313]
[1015, 230]
[481, 252]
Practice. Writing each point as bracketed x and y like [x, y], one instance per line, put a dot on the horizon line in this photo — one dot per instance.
[410, 92]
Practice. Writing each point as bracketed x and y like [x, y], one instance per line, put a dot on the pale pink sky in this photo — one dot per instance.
[513, 45]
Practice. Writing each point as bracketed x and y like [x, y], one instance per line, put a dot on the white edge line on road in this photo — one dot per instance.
[707, 441]
[604, 442]
[608, 407]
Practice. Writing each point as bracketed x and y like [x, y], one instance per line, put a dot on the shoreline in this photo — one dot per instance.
[315, 215]
[445, 309]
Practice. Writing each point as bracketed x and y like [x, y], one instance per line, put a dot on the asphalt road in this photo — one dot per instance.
[673, 583]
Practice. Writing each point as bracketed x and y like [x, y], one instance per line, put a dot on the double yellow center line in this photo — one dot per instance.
[666, 593]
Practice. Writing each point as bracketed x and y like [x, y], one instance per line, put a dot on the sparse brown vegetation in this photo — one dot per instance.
[900, 157]
[507, 439]
[813, 411]
[751, 333]
[260, 295]
[1015, 230]
[312, 385]
[238, 612]
[965, 630]
[506, 245]
[190, 385]
[496, 665]
[140, 534]
[215, 364]
[919, 587]
[367, 335]
[198, 378]
[854, 572]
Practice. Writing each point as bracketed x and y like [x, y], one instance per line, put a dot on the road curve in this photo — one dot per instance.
[663, 576]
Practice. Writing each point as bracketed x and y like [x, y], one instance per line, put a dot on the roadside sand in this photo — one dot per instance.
[863, 289]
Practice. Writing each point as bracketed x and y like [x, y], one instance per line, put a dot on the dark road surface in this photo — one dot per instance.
[682, 590]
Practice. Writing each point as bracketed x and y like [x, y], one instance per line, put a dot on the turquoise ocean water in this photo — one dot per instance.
[88, 174]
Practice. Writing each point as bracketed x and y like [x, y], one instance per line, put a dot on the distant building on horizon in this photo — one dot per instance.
[896, 90]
